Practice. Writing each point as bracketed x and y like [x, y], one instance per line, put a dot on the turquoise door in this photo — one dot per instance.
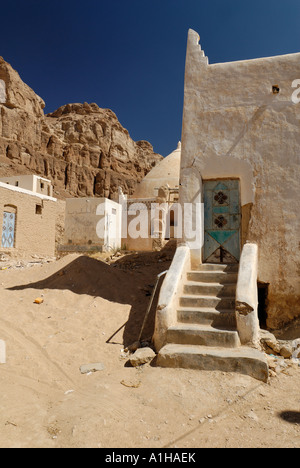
[221, 221]
[8, 230]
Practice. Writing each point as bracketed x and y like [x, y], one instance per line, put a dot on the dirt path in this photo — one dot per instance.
[47, 402]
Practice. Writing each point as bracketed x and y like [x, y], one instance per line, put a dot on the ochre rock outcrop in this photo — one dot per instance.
[82, 148]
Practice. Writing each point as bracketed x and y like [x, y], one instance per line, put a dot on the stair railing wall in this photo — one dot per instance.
[171, 289]
[246, 305]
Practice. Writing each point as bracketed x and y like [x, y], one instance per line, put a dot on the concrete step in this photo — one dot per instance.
[204, 335]
[221, 277]
[233, 268]
[218, 303]
[207, 316]
[242, 360]
[210, 289]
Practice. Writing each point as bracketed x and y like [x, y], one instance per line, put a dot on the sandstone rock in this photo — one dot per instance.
[39, 300]
[272, 345]
[286, 349]
[269, 342]
[142, 356]
[16, 94]
[296, 354]
[86, 368]
[83, 149]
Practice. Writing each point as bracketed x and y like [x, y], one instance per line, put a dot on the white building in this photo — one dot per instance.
[92, 224]
[31, 182]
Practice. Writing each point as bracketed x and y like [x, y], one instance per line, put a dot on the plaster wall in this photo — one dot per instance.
[92, 222]
[26, 182]
[136, 224]
[34, 232]
[32, 182]
[235, 126]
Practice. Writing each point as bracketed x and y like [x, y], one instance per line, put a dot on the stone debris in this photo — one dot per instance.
[252, 415]
[39, 300]
[277, 365]
[272, 345]
[131, 384]
[281, 354]
[6, 263]
[142, 356]
[296, 349]
[89, 368]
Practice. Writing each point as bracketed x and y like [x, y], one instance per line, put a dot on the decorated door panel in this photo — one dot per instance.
[8, 230]
[221, 221]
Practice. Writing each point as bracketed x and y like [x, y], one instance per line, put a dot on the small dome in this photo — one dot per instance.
[165, 172]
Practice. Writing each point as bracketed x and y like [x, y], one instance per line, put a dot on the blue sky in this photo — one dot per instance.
[129, 55]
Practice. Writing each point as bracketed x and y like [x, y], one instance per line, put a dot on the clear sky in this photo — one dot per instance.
[129, 55]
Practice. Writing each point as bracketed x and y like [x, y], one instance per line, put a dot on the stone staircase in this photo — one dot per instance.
[205, 335]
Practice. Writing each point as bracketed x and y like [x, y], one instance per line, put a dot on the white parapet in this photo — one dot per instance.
[166, 312]
[247, 296]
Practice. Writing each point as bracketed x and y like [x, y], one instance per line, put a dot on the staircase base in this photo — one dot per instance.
[242, 360]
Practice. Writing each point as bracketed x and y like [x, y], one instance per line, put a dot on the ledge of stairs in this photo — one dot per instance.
[243, 360]
[212, 276]
[228, 267]
[207, 316]
[204, 335]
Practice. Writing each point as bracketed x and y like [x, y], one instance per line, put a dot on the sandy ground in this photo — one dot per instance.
[47, 403]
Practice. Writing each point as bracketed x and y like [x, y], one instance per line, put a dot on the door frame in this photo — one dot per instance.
[221, 179]
[10, 209]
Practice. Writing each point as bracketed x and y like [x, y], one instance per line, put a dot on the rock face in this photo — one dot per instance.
[83, 149]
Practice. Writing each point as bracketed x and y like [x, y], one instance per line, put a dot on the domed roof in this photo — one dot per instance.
[165, 172]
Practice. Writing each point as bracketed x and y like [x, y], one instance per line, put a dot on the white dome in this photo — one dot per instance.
[165, 172]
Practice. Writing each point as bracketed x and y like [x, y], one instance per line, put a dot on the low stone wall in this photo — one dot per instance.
[166, 312]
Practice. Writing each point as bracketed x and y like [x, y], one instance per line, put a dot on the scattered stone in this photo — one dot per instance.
[296, 354]
[273, 346]
[286, 349]
[142, 356]
[252, 415]
[124, 354]
[39, 300]
[269, 342]
[87, 368]
[130, 384]
[296, 349]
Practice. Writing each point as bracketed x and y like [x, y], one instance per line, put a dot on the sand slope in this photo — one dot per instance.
[47, 402]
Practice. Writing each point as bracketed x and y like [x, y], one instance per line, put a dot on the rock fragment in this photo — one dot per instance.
[142, 356]
[95, 367]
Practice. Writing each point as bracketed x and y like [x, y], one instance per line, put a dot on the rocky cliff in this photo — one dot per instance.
[82, 148]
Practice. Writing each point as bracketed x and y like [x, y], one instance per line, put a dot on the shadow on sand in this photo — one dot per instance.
[293, 417]
[129, 280]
